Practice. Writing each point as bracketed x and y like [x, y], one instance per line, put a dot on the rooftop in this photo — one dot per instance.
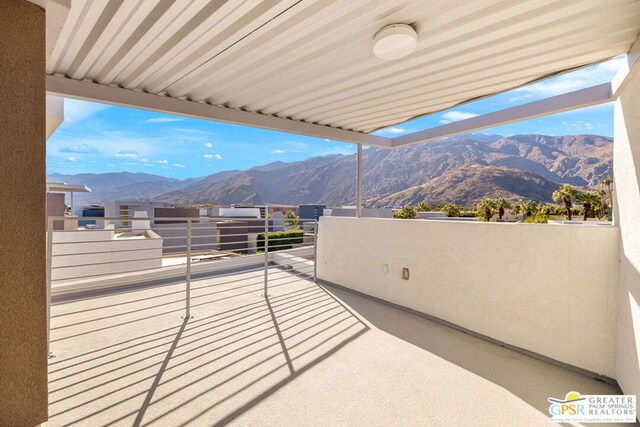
[127, 358]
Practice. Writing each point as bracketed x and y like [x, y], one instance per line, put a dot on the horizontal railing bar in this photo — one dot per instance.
[117, 273]
[287, 276]
[148, 269]
[182, 237]
[166, 218]
[129, 271]
[108, 252]
[107, 262]
[240, 242]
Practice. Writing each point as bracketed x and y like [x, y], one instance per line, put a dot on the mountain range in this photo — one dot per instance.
[462, 169]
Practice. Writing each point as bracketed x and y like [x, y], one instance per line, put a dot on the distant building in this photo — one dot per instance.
[311, 212]
[235, 212]
[127, 209]
[91, 211]
[56, 202]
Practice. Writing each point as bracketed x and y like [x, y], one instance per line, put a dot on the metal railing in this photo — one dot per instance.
[159, 249]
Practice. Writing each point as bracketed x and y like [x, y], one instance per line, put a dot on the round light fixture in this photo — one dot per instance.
[395, 41]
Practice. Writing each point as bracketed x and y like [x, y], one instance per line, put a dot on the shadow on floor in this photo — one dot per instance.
[237, 347]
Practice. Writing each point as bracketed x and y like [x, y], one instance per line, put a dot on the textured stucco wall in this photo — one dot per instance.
[626, 166]
[23, 338]
[550, 289]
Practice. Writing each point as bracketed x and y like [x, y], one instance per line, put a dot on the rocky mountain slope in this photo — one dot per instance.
[516, 167]
[119, 185]
[470, 185]
[461, 169]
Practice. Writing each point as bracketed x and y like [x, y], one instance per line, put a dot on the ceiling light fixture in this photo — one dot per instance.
[395, 41]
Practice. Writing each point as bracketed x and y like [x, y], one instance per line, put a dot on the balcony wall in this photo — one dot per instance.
[87, 254]
[548, 289]
[626, 166]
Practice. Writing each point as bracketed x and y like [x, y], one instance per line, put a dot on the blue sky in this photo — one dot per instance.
[100, 138]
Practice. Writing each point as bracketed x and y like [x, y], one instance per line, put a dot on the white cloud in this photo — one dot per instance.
[126, 154]
[217, 156]
[207, 156]
[518, 98]
[395, 130]
[292, 147]
[208, 145]
[163, 162]
[579, 125]
[164, 120]
[72, 159]
[579, 79]
[454, 116]
[82, 148]
[178, 165]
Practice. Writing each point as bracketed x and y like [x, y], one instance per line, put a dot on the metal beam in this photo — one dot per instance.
[594, 95]
[88, 91]
[629, 68]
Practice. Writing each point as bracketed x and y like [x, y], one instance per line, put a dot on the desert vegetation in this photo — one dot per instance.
[570, 202]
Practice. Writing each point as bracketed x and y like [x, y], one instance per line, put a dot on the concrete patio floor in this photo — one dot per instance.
[309, 355]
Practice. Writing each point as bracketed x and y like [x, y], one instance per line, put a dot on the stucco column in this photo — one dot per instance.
[23, 337]
[626, 166]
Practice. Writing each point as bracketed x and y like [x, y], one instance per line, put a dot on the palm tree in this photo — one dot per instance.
[291, 218]
[567, 193]
[451, 210]
[501, 204]
[608, 186]
[405, 213]
[485, 209]
[544, 209]
[528, 208]
[421, 207]
[589, 199]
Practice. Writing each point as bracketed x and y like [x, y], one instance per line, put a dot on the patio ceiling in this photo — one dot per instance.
[311, 62]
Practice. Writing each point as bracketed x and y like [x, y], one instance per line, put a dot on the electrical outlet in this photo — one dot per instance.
[405, 273]
[385, 268]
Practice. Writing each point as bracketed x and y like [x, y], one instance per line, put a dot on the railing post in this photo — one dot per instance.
[266, 253]
[315, 251]
[50, 354]
[187, 314]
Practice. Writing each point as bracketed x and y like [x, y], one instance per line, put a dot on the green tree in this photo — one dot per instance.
[485, 209]
[405, 213]
[589, 199]
[501, 204]
[291, 218]
[421, 207]
[607, 185]
[451, 210]
[567, 194]
[528, 208]
[544, 209]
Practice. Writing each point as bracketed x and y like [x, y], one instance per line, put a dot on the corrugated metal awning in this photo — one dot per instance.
[312, 61]
[63, 187]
